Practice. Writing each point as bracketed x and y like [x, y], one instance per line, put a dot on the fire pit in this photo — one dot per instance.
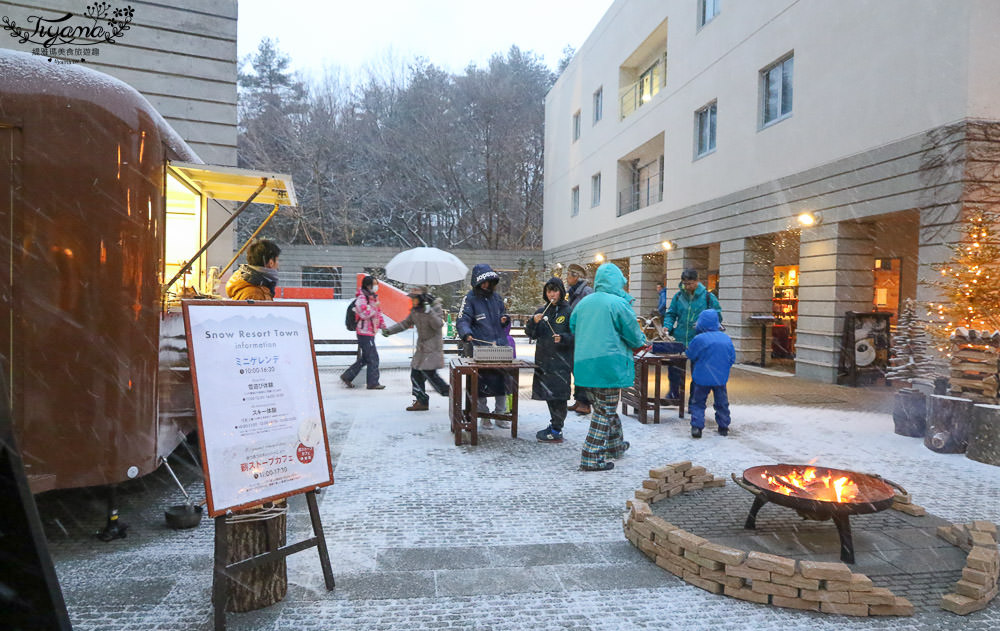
[818, 493]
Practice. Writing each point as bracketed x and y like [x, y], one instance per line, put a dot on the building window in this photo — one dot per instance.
[704, 121]
[649, 83]
[776, 91]
[598, 105]
[595, 190]
[574, 204]
[707, 10]
[576, 126]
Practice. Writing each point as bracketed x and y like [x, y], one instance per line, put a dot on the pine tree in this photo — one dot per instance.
[911, 360]
[970, 281]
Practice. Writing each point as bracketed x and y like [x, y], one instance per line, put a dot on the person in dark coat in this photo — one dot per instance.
[578, 290]
[426, 316]
[481, 322]
[553, 357]
[712, 355]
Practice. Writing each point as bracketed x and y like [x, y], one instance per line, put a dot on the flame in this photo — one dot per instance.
[810, 485]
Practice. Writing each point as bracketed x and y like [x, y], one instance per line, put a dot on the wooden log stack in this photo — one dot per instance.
[975, 365]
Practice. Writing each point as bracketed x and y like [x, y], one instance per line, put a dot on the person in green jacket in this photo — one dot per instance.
[606, 332]
[681, 318]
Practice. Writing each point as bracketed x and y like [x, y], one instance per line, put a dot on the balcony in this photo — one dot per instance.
[645, 191]
[642, 90]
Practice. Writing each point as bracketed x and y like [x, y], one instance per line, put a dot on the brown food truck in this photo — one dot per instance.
[105, 217]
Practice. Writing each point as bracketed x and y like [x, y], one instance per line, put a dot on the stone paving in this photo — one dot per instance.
[510, 535]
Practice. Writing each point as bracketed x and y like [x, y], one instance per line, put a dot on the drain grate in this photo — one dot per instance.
[807, 398]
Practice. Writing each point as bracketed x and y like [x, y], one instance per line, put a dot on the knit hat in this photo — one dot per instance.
[689, 274]
[577, 270]
[481, 272]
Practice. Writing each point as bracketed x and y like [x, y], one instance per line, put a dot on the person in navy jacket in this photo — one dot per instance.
[712, 355]
[483, 321]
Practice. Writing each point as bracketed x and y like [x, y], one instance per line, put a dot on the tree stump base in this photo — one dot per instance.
[909, 413]
[948, 422]
[984, 435]
[263, 585]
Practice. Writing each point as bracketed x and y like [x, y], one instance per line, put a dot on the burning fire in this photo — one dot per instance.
[810, 485]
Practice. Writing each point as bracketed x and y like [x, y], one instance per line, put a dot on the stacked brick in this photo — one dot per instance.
[975, 364]
[904, 504]
[674, 479]
[752, 576]
[978, 585]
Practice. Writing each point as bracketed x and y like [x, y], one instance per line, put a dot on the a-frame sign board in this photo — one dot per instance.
[30, 596]
[260, 421]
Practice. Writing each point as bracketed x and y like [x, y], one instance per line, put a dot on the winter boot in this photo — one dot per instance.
[549, 435]
[418, 406]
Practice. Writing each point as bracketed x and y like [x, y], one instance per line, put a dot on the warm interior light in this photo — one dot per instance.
[808, 219]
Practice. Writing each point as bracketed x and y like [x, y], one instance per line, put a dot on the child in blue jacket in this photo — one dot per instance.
[712, 355]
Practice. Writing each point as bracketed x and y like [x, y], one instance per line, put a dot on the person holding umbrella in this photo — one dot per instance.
[553, 357]
[426, 316]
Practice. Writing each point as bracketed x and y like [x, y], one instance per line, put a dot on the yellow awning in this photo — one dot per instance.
[237, 185]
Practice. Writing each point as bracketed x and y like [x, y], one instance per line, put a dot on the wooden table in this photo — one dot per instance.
[463, 404]
[639, 397]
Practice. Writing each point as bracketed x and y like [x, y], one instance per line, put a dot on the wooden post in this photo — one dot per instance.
[984, 435]
[947, 424]
[251, 534]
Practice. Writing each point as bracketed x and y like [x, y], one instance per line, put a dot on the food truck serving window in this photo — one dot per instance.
[194, 219]
[185, 233]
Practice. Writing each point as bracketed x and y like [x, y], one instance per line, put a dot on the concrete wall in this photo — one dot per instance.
[181, 56]
[355, 260]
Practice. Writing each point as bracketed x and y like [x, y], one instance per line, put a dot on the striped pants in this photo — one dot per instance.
[605, 434]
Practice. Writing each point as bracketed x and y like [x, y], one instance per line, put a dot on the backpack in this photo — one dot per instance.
[351, 318]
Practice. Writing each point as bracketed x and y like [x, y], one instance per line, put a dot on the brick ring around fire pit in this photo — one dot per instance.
[785, 582]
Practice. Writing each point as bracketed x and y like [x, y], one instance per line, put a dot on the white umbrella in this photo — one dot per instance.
[426, 266]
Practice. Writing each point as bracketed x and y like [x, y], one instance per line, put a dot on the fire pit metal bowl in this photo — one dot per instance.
[818, 493]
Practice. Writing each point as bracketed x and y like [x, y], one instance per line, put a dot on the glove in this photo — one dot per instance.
[385, 332]
[467, 349]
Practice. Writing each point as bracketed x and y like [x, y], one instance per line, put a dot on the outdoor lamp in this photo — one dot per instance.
[808, 219]
[599, 257]
[668, 245]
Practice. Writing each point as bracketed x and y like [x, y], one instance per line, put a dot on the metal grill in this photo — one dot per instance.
[492, 354]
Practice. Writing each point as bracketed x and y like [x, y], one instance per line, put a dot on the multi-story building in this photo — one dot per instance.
[695, 133]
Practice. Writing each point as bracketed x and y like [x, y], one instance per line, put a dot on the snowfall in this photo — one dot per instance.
[509, 534]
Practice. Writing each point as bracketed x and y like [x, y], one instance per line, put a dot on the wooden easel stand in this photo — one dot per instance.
[222, 571]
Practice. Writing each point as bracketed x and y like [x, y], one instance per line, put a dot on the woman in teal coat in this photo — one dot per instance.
[605, 329]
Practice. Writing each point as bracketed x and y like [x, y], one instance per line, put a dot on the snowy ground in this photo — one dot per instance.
[505, 535]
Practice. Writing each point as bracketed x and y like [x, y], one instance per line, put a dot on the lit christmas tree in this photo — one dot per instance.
[911, 360]
[970, 282]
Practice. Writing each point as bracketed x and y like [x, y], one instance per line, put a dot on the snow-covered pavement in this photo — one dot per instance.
[505, 535]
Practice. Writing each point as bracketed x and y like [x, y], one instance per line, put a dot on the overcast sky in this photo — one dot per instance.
[353, 35]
